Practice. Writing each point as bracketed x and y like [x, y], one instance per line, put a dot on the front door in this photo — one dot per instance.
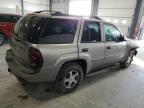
[114, 50]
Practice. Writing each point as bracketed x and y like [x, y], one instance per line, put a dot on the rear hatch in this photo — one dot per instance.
[26, 35]
[35, 29]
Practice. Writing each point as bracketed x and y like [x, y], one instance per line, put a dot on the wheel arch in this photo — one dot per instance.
[4, 35]
[128, 49]
[81, 62]
[134, 49]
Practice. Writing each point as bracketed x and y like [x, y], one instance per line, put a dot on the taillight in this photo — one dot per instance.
[35, 59]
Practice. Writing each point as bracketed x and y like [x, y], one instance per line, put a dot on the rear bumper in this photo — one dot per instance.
[47, 74]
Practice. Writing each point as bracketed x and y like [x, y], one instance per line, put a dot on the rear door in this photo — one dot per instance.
[114, 50]
[91, 43]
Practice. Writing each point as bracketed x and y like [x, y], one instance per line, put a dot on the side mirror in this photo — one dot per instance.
[120, 39]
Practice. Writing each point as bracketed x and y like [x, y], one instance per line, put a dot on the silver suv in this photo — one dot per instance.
[62, 49]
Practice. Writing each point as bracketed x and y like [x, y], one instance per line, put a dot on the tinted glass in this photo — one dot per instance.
[14, 19]
[91, 32]
[42, 30]
[8, 18]
[111, 32]
[58, 31]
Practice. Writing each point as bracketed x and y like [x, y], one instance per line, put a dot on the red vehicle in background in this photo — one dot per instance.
[7, 24]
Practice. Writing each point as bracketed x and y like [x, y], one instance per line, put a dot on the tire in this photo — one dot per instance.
[2, 39]
[71, 74]
[128, 60]
[22, 81]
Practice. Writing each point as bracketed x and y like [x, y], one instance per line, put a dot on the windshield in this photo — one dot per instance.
[41, 30]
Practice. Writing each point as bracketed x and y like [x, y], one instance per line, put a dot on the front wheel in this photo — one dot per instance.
[69, 78]
[2, 39]
[128, 60]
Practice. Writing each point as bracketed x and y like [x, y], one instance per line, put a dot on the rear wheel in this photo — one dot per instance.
[70, 76]
[128, 60]
[2, 39]
[22, 81]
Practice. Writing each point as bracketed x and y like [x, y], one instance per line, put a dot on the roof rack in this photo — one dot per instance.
[96, 17]
[45, 11]
[52, 12]
[58, 13]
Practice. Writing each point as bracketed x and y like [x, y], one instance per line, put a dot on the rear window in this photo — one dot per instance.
[40, 30]
[9, 18]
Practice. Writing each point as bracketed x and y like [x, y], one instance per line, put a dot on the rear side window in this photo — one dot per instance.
[91, 32]
[8, 18]
[58, 31]
[41, 30]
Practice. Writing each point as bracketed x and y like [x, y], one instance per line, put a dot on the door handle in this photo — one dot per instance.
[108, 47]
[85, 50]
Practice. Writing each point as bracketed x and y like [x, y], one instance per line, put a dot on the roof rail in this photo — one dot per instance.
[96, 17]
[52, 12]
[45, 11]
[58, 13]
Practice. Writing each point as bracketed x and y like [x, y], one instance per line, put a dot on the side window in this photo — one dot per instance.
[14, 19]
[58, 31]
[4, 18]
[111, 32]
[8, 18]
[91, 32]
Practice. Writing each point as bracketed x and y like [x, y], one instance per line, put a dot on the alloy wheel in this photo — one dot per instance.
[71, 79]
[1, 39]
[129, 59]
